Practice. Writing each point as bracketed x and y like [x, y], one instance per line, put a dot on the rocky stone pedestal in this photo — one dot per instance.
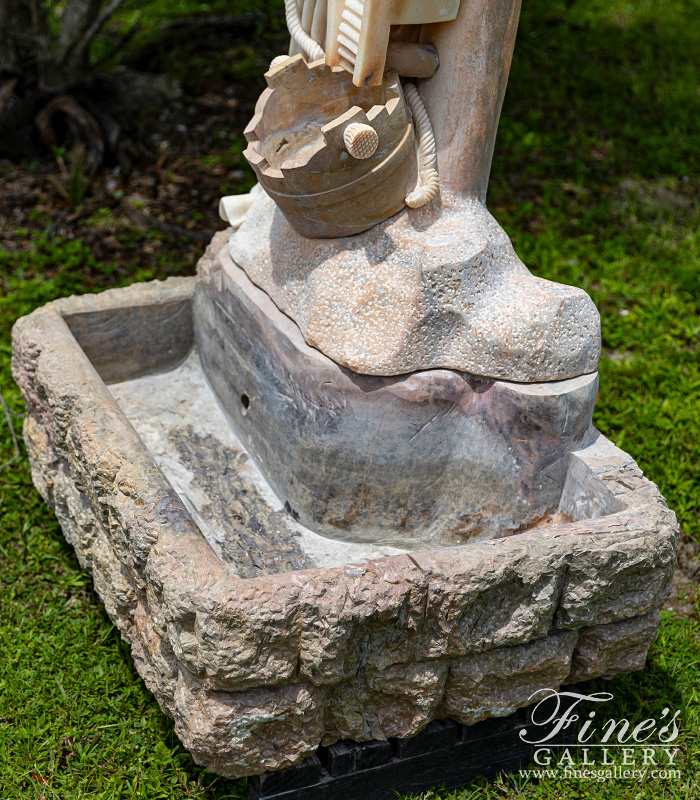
[264, 639]
[436, 287]
[435, 457]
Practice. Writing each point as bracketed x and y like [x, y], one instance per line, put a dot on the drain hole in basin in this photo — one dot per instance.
[245, 403]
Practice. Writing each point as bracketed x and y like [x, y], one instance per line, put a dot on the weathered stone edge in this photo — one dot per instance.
[219, 652]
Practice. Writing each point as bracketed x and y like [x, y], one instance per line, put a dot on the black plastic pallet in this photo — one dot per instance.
[444, 753]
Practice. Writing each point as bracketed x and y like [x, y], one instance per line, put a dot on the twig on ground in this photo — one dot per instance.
[92, 209]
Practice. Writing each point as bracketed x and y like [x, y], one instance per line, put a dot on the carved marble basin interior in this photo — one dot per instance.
[206, 444]
[177, 416]
[253, 531]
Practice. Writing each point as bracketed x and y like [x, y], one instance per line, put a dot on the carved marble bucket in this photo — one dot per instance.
[297, 148]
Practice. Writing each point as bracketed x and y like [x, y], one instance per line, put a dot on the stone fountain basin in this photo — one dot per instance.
[263, 639]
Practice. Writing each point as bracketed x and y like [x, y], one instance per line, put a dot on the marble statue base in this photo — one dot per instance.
[437, 457]
[435, 287]
[264, 640]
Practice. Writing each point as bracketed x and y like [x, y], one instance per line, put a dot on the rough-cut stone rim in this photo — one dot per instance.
[258, 672]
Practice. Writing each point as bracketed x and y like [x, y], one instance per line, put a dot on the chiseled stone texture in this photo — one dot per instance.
[439, 286]
[256, 672]
[507, 676]
[614, 649]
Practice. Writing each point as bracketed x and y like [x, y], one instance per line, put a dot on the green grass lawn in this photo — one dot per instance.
[597, 180]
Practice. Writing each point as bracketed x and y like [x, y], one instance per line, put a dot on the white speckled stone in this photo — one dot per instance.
[439, 286]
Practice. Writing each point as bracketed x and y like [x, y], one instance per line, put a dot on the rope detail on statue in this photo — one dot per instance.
[428, 181]
[308, 45]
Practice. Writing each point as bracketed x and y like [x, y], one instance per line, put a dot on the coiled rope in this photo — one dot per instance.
[428, 180]
[308, 45]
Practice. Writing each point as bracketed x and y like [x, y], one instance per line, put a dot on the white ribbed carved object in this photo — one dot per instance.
[359, 30]
[361, 140]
